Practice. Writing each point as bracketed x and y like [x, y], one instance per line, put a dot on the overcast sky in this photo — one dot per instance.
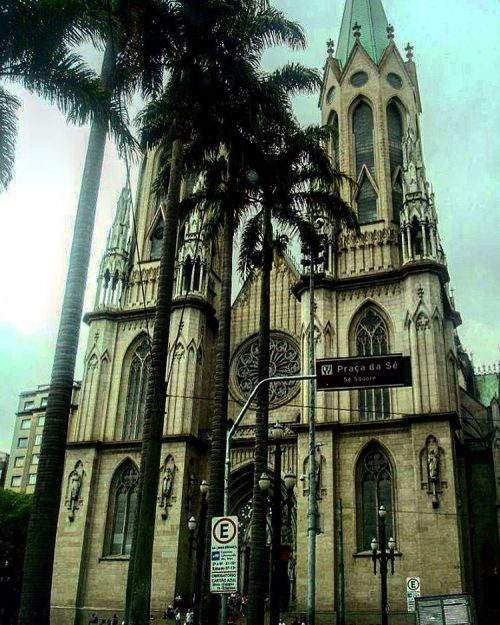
[458, 60]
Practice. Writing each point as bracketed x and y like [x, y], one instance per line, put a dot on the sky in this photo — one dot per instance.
[457, 57]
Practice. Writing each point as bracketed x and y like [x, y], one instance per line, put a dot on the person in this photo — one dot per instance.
[114, 620]
[282, 622]
[189, 617]
[169, 612]
[177, 616]
[94, 618]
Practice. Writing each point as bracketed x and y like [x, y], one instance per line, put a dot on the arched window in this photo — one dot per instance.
[362, 124]
[136, 392]
[371, 340]
[156, 239]
[121, 510]
[197, 275]
[333, 122]
[188, 272]
[374, 489]
[395, 130]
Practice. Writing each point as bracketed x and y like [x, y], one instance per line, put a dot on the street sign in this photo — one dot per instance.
[338, 374]
[412, 591]
[224, 555]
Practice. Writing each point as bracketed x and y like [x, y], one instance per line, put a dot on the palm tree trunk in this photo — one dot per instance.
[40, 543]
[257, 586]
[209, 608]
[155, 403]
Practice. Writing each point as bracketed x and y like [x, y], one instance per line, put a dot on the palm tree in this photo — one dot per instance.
[296, 180]
[46, 66]
[214, 70]
[83, 20]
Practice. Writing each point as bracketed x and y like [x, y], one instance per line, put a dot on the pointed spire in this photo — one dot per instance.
[369, 16]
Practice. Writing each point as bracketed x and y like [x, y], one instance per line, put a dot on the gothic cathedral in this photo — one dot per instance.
[415, 449]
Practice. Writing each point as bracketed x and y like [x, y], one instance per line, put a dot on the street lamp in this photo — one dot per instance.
[383, 557]
[200, 548]
[277, 432]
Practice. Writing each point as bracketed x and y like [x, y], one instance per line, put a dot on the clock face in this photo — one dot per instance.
[330, 95]
[284, 359]
[394, 80]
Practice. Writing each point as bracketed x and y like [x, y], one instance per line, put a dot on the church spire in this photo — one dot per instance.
[114, 263]
[363, 21]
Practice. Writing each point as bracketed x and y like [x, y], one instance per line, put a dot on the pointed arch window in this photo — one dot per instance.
[188, 272]
[372, 340]
[156, 239]
[121, 510]
[362, 125]
[197, 275]
[136, 392]
[333, 122]
[395, 131]
[374, 489]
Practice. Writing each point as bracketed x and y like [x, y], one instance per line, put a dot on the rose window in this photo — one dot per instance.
[284, 360]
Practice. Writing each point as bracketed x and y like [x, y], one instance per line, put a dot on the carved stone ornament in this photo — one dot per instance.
[167, 485]
[284, 359]
[74, 490]
[422, 322]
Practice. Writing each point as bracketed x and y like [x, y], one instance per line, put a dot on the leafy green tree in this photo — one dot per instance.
[14, 515]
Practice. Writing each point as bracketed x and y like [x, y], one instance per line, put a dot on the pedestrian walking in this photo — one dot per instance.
[189, 617]
[177, 616]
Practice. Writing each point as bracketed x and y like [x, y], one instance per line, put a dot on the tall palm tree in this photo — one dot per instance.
[47, 66]
[214, 70]
[295, 180]
[115, 23]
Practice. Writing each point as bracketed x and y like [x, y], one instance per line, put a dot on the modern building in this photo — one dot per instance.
[27, 438]
[4, 461]
[425, 452]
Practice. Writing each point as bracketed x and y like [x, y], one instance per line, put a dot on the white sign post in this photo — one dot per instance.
[412, 591]
[224, 555]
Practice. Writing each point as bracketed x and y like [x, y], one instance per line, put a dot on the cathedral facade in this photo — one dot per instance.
[384, 291]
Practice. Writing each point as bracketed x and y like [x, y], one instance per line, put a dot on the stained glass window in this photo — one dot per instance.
[374, 490]
[371, 340]
[122, 509]
[136, 392]
[395, 130]
[362, 124]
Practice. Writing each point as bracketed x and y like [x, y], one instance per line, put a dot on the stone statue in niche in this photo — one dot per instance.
[167, 485]
[74, 490]
[431, 459]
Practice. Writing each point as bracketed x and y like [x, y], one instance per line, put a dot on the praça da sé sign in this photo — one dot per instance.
[337, 374]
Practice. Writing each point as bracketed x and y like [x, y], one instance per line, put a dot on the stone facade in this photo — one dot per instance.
[385, 290]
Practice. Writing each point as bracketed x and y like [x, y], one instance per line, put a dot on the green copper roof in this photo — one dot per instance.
[370, 15]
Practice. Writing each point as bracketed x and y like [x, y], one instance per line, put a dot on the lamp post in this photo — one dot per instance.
[383, 557]
[276, 508]
[200, 549]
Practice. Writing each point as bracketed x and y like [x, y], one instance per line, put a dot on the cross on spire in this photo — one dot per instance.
[330, 47]
[390, 32]
[409, 51]
[356, 29]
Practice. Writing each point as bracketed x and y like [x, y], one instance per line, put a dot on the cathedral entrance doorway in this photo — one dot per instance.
[241, 506]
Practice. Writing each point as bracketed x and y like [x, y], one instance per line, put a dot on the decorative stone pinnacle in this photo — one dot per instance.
[330, 47]
[420, 291]
[356, 29]
[390, 32]
[409, 51]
